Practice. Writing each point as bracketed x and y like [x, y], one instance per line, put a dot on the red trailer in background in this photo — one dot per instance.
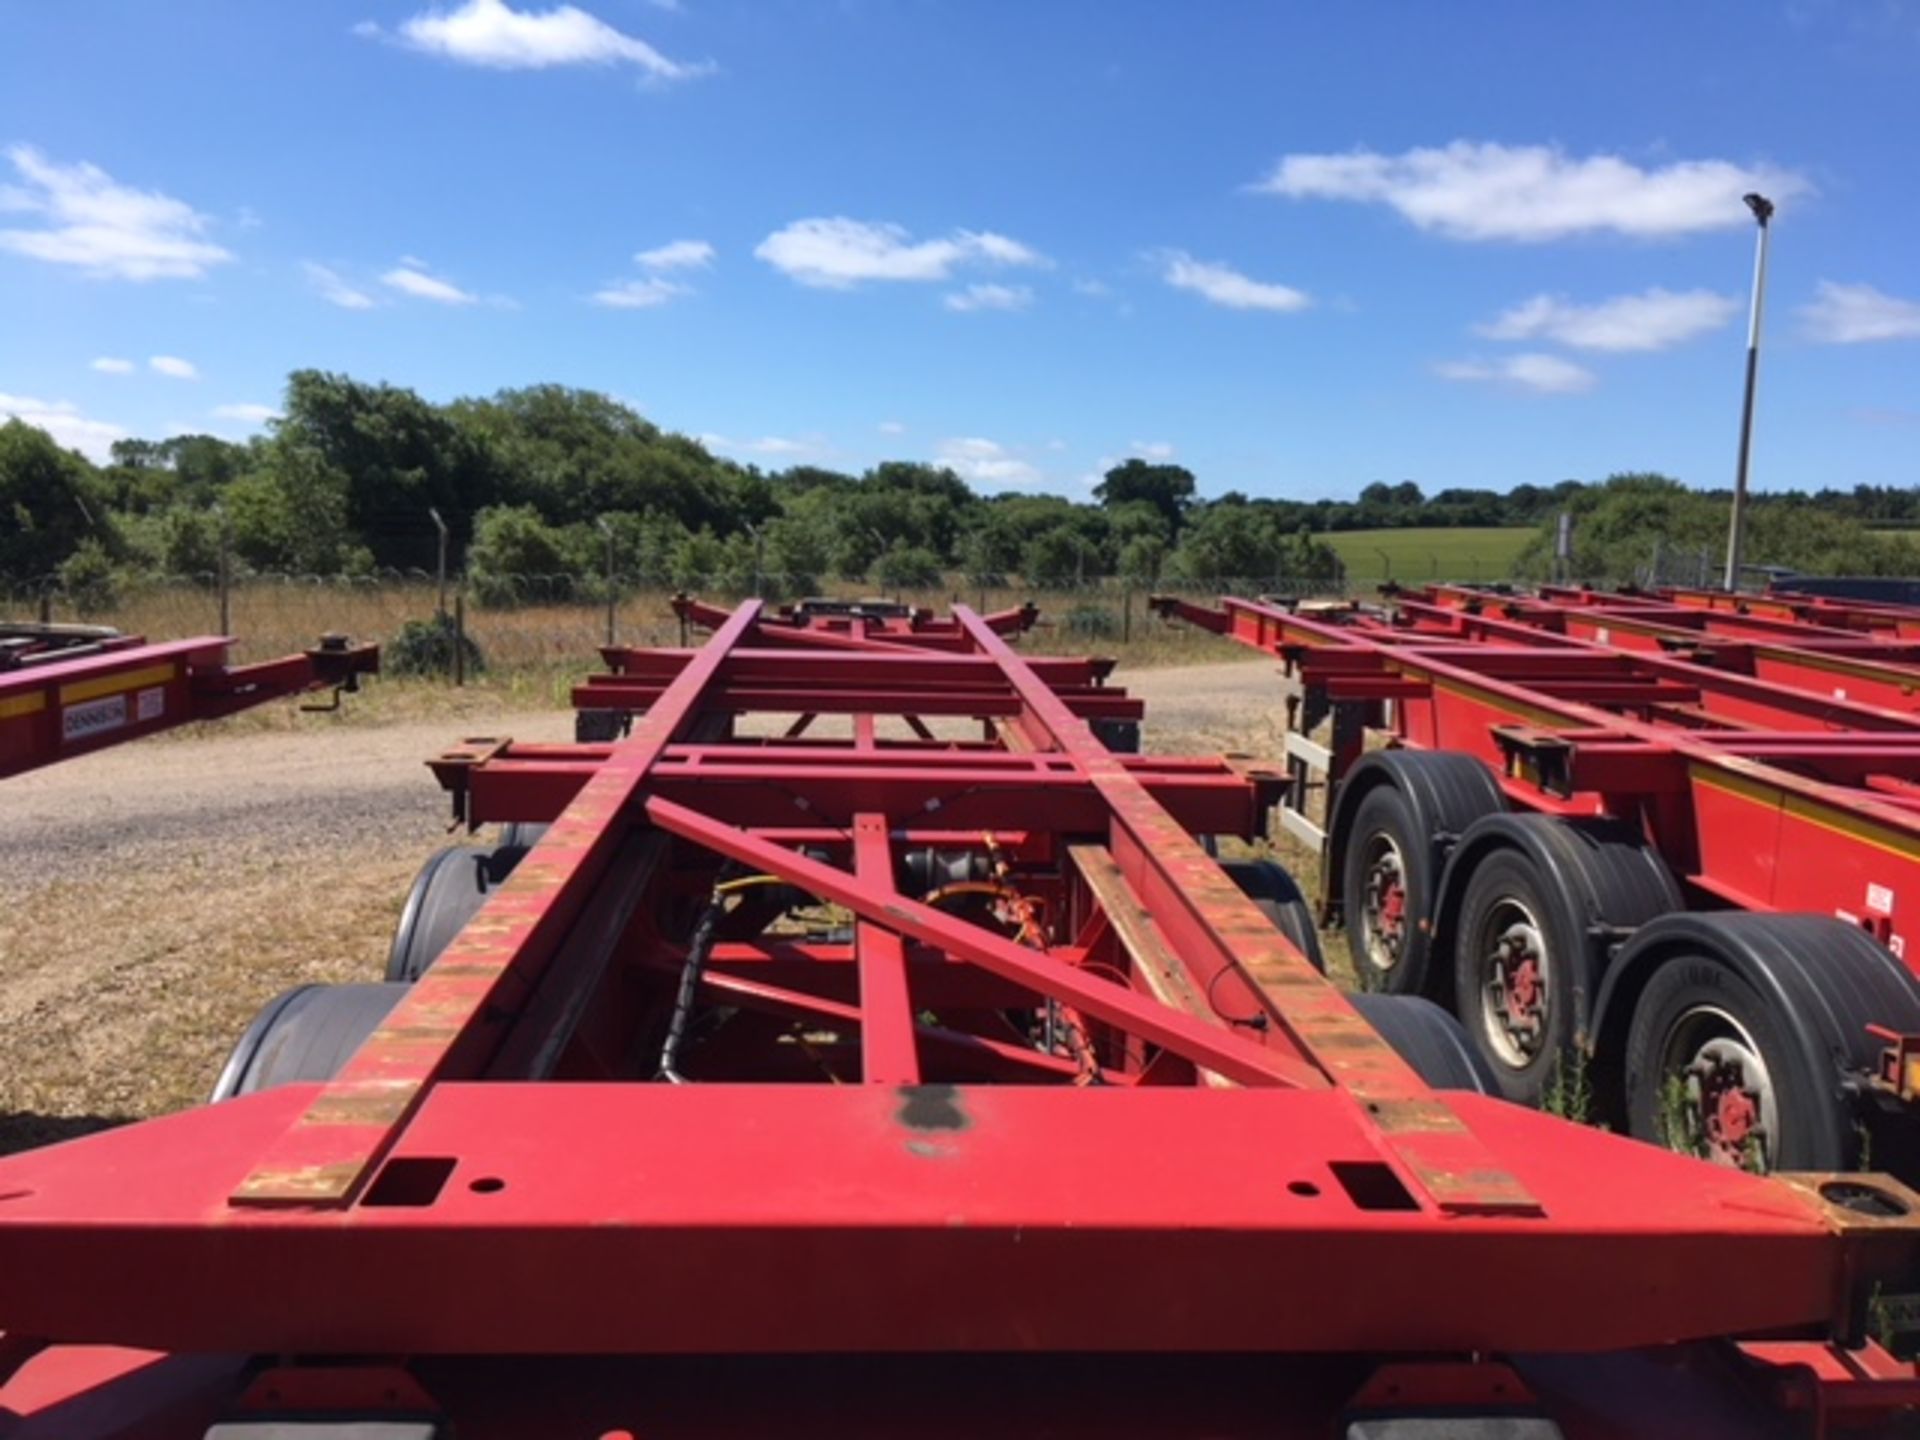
[907, 1068]
[69, 690]
[1661, 859]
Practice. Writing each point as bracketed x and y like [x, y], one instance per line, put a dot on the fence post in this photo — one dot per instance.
[460, 636]
[607, 530]
[225, 572]
[46, 603]
[441, 526]
[1126, 613]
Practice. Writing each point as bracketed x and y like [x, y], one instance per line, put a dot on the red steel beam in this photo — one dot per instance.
[413, 1208]
[887, 1054]
[57, 709]
[330, 1152]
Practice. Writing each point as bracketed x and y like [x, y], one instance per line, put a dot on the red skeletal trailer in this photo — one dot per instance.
[70, 690]
[905, 1071]
[1663, 854]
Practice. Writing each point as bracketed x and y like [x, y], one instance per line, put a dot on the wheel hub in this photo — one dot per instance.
[1729, 1106]
[1514, 990]
[1385, 917]
[1723, 1095]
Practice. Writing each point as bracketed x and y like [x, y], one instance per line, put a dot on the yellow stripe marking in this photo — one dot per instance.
[1906, 680]
[116, 684]
[1814, 812]
[23, 705]
[1493, 699]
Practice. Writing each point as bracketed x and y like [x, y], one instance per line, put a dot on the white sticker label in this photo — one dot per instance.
[78, 722]
[1603, 635]
[1880, 899]
[150, 704]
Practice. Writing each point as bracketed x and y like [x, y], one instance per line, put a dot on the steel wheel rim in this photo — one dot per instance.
[1713, 1073]
[1383, 923]
[1516, 979]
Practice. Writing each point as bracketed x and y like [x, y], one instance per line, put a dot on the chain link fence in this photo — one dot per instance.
[558, 621]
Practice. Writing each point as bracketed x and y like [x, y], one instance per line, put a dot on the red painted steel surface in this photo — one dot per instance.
[1005, 1071]
[1730, 774]
[55, 709]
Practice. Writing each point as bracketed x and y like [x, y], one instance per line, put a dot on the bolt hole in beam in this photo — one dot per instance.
[1306, 1189]
[1371, 1185]
[487, 1185]
[1863, 1199]
[410, 1181]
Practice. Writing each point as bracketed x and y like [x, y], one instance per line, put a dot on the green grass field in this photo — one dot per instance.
[1414, 555]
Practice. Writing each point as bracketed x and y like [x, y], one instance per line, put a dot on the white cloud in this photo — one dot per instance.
[334, 290]
[1548, 374]
[1649, 321]
[247, 414]
[985, 462]
[836, 253]
[1096, 289]
[62, 420]
[493, 34]
[1222, 285]
[103, 227]
[676, 255]
[776, 446]
[173, 367]
[655, 288]
[641, 294]
[112, 365]
[1152, 449]
[891, 427]
[990, 297]
[1487, 191]
[1853, 314]
[410, 278]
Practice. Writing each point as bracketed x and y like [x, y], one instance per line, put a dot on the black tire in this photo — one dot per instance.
[1120, 736]
[1388, 891]
[1794, 993]
[1507, 899]
[448, 892]
[1529, 936]
[591, 726]
[305, 1034]
[1275, 893]
[1428, 1039]
[521, 834]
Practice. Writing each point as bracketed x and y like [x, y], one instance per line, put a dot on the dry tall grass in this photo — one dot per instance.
[536, 651]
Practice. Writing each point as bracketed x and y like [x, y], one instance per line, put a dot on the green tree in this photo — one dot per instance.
[1168, 488]
[1057, 557]
[908, 567]
[517, 558]
[1141, 559]
[47, 507]
[295, 515]
[399, 455]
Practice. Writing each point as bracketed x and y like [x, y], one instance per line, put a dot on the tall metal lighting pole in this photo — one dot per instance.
[1762, 209]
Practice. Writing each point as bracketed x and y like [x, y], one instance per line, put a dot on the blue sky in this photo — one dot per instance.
[1297, 247]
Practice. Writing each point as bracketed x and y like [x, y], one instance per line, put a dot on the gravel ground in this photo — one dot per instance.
[157, 894]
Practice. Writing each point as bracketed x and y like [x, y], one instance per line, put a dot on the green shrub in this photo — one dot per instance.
[88, 578]
[1090, 622]
[426, 647]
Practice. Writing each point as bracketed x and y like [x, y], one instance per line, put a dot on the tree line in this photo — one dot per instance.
[540, 481]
